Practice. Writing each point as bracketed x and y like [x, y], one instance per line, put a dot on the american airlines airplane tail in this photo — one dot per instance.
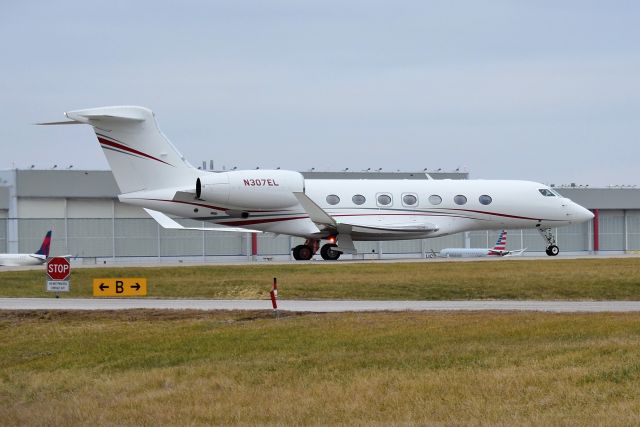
[501, 244]
[140, 156]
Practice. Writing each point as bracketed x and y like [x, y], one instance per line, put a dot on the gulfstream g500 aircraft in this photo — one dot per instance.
[151, 173]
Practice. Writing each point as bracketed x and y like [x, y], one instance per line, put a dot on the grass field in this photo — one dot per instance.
[581, 279]
[229, 368]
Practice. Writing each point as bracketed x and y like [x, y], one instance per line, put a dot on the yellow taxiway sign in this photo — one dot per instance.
[120, 287]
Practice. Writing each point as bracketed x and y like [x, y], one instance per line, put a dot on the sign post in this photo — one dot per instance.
[58, 272]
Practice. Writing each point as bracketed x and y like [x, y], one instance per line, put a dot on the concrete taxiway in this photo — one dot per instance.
[317, 306]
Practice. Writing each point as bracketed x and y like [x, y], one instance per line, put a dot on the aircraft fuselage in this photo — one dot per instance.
[451, 206]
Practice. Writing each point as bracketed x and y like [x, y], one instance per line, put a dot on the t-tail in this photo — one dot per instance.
[140, 156]
[46, 244]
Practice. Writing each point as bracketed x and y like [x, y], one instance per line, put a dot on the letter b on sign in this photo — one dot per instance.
[119, 286]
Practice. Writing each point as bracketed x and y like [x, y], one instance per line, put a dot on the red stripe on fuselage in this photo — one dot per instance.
[502, 215]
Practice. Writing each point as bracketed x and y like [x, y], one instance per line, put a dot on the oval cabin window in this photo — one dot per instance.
[460, 199]
[384, 199]
[434, 199]
[358, 199]
[332, 199]
[409, 199]
[485, 200]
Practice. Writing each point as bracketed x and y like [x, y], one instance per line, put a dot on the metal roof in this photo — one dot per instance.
[101, 184]
[603, 198]
[383, 175]
[65, 183]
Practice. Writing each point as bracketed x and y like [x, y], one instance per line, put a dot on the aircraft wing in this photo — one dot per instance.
[372, 224]
[499, 253]
[507, 253]
[169, 223]
[519, 252]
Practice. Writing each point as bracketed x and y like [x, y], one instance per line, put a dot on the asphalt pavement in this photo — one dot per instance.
[317, 306]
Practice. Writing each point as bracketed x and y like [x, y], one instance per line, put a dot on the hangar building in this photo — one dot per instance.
[89, 223]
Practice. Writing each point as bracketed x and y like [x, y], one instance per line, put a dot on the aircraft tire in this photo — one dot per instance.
[302, 253]
[553, 250]
[327, 252]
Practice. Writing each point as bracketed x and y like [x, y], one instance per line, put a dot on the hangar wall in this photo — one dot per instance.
[90, 223]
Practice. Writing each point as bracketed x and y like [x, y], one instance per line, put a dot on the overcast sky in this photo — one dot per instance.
[540, 90]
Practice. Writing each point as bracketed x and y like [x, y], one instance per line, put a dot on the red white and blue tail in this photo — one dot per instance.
[500, 248]
[501, 243]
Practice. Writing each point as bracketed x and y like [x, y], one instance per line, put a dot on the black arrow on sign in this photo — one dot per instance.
[103, 287]
[136, 287]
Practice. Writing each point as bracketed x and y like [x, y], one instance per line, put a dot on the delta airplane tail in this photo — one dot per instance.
[46, 244]
[139, 154]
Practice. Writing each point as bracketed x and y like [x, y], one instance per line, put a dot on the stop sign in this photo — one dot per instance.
[58, 268]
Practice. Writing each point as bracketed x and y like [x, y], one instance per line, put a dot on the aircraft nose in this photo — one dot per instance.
[581, 214]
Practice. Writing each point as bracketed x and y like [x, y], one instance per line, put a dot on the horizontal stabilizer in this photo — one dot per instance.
[126, 114]
[168, 223]
[67, 122]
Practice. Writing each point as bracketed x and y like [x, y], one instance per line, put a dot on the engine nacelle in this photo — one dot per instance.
[250, 189]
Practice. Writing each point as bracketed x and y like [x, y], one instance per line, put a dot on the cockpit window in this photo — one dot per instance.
[546, 192]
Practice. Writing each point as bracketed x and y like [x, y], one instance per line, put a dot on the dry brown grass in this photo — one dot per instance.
[198, 368]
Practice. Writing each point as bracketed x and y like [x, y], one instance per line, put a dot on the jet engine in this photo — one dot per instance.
[250, 189]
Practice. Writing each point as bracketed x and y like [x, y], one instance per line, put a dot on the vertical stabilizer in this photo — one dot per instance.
[501, 243]
[140, 156]
[46, 244]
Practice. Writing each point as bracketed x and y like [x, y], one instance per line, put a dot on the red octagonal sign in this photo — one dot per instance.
[58, 268]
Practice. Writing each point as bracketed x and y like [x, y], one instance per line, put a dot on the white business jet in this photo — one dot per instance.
[152, 173]
[498, 250]
[40, 257]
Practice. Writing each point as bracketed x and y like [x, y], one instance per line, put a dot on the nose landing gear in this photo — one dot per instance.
[552, 248]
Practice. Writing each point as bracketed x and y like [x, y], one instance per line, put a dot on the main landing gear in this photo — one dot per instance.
[552, 248]
[306, 251]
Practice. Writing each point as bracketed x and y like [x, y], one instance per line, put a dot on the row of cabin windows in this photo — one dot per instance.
[407, 199]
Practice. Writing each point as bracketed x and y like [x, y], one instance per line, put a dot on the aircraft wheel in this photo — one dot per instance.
[302, 253]
[327, 252]
[553, 250]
